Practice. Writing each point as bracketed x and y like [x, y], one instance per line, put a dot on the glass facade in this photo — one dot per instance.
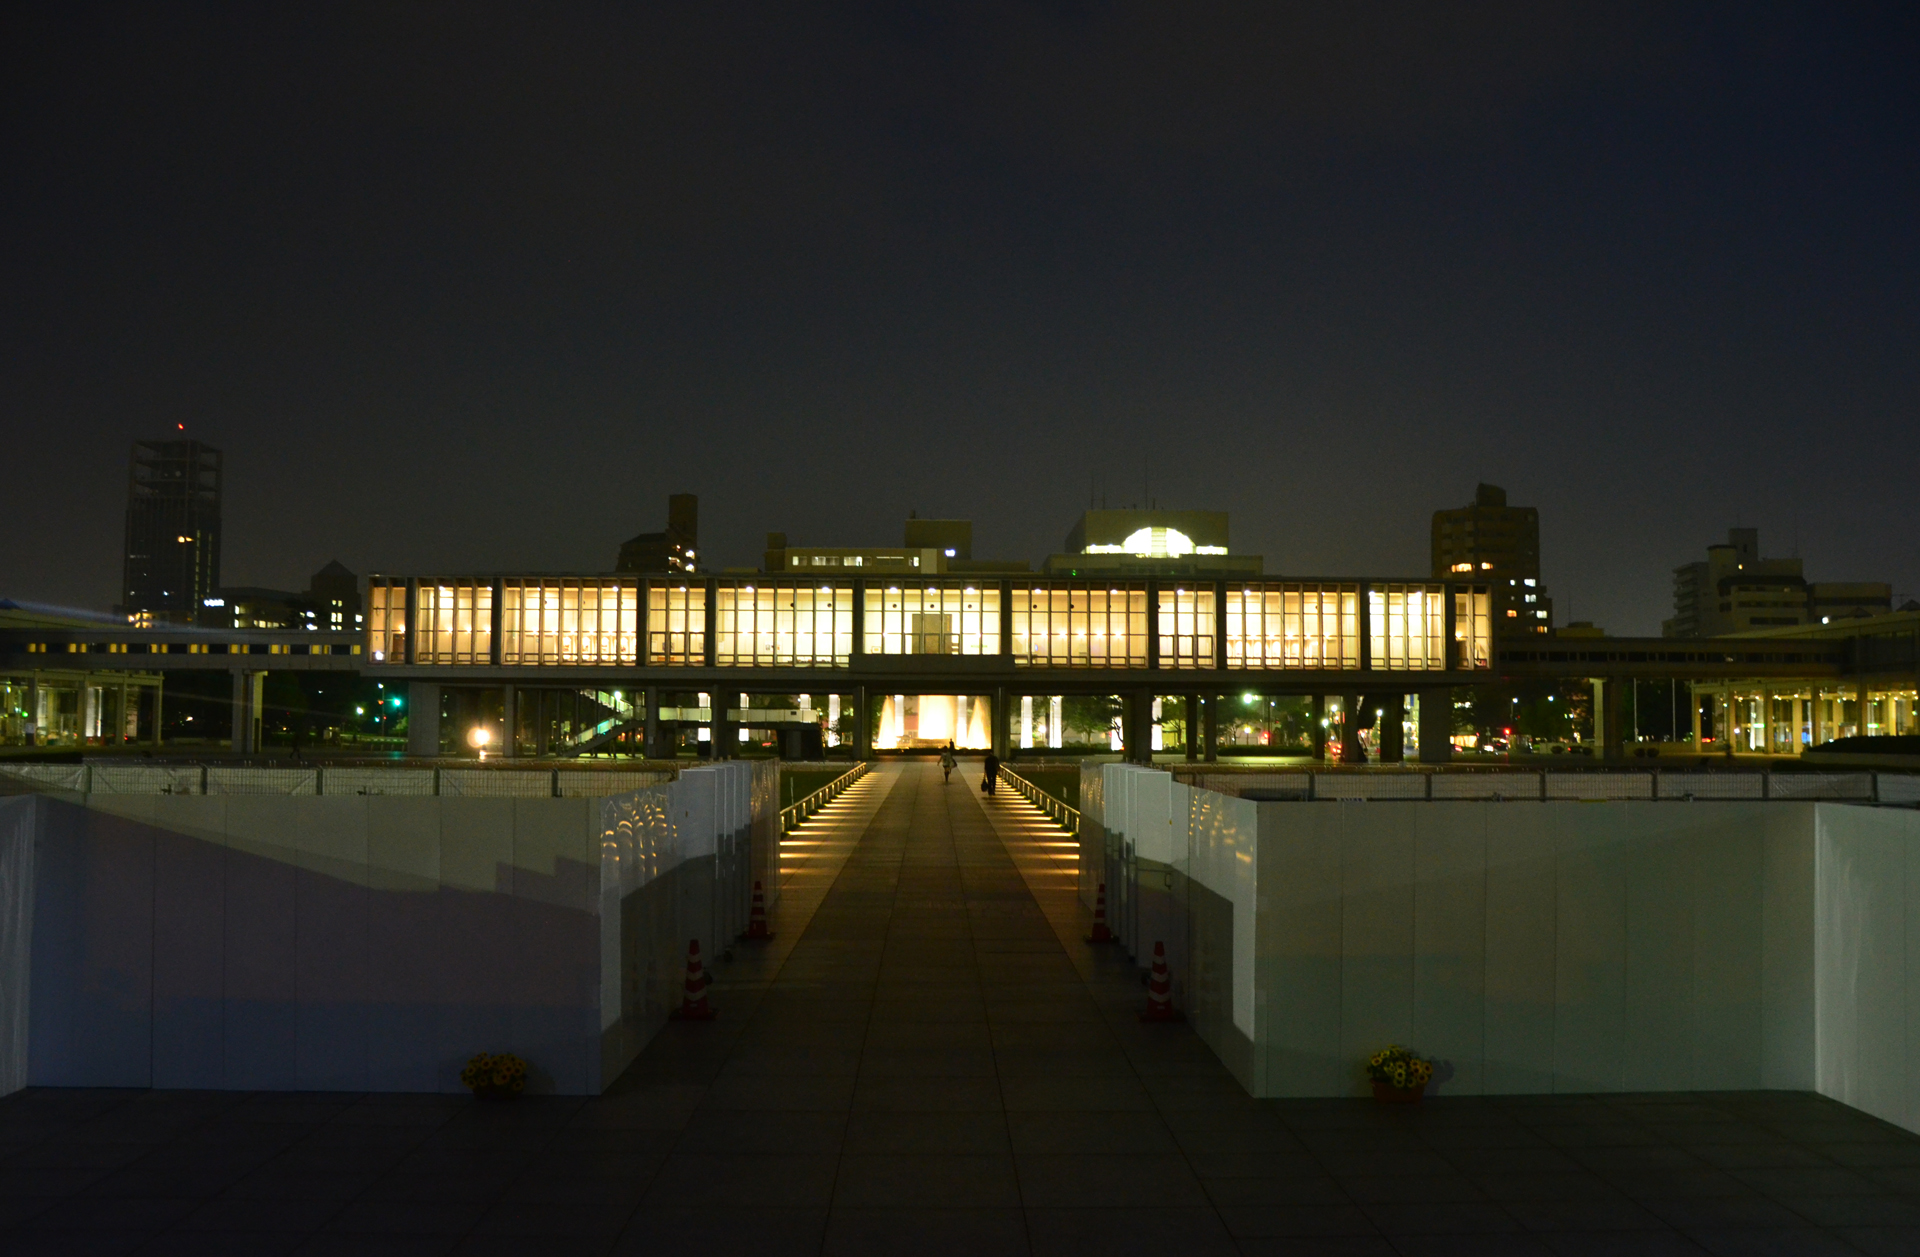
[454, 622]
[561, 621]
[1186, 627]
[782, 624]
[597, 621]
[677, 625]
[928, 618]
[387, 621]
[1079, 626]
[1407, 627]
[1294, 626]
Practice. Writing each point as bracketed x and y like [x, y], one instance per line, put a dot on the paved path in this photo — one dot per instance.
[927, 1060]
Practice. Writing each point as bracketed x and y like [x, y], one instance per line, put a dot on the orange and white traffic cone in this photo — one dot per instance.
[757, 922]
[1160, 990]
[693, 1004]
[1101, 934]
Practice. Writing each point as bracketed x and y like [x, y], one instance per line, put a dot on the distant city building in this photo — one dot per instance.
[931, 547]
[674, 549]
[1489, 540]
[330, 604]
[172, 555]
[1137, 543]
[1734, 590]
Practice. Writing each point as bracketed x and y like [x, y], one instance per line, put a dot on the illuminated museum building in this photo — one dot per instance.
[940, 643]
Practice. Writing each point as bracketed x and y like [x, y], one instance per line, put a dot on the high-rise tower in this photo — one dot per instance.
[173, 532]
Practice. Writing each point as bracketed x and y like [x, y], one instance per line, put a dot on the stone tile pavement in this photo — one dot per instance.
[927, 1060]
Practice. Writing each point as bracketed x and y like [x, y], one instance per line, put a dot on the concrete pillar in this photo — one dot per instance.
[239, 738]
[1138, 731]
[862, 723]
[1391, 732]
[1210, 728]
[723, 741]
[36, 734]
[1353, 713]
[1436, 726]
[1319, 728]
[1026, 722]
[423, 719]
[651, 729]
[1866, 710]
[1193, 728]
[249, 692]
[997, 713]
[159, 691]
[509, 719]
[1608, 717]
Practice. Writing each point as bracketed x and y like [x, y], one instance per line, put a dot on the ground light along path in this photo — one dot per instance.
[927, 1059]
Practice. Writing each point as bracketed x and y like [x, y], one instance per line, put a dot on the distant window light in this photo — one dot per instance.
[951, 552]
[213, 602]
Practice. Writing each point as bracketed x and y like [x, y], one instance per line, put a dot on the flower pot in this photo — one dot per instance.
[1387, 1093]
[490, 1092]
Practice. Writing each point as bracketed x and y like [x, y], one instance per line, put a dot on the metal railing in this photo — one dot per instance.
[134, 777]
[1068, 818]
[795, 815]
[1515, 785]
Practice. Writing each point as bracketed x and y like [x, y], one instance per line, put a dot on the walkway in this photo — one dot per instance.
[927, 1060]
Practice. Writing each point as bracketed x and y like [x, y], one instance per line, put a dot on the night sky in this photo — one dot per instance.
[459, 287]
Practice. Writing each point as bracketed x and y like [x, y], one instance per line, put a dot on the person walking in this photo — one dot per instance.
[989, 773]
[947, 763]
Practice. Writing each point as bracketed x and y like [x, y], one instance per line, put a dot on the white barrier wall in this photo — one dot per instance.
[1536, 947]
[360, 942]
[1867, 980]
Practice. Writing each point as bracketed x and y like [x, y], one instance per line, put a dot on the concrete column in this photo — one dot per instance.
[651, 697]
[1392, 729]
[509, 717]
[724, 741]
[1608, 717]
[862, 723]
[1210, 728]
[249, 689]
[1866, 710]
[1026, 722]
[242, 720]
[1353, 712]
[997, 713]
[1693, 702]
[1193, 728]
[36, 732]
[1436, 726]
[1318, 725]
[1139, 727]
[423, 719]
[159, 692]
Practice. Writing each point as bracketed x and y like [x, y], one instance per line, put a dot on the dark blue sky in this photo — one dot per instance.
[459, 287]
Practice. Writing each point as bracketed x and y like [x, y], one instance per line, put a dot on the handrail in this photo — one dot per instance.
[795, 815]
[1064, 815]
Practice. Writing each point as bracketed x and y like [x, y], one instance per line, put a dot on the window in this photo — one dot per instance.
[456, 622]
[1472, 627]
[1293, 626]
[1407, 627]
[561, 621]
[677, 625]
[784, 624]
[387, 620]
[1080, 626]
[1186, 628]
[924, 618]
